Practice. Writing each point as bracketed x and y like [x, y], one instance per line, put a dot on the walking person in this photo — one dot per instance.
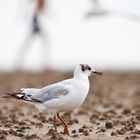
[34, 30]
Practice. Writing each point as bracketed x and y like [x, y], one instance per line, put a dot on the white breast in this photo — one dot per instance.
[79, 93]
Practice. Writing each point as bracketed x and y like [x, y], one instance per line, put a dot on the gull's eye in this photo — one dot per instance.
[89, 68]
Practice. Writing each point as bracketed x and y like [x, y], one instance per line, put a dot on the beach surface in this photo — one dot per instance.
[111, 110]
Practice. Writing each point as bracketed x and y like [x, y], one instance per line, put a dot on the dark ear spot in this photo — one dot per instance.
[89, 68]
[82, 67]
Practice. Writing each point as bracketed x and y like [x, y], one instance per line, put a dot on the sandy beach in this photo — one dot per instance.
[111, 110]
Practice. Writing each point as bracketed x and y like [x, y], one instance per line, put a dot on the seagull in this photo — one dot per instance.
[63, 96]
[98, 11]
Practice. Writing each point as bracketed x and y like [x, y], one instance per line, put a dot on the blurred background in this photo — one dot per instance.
[41, 41]
[103, 33]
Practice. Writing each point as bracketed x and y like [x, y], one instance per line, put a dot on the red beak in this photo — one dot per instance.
[98, 72]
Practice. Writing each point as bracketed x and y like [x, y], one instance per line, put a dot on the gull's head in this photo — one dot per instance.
[86, 70]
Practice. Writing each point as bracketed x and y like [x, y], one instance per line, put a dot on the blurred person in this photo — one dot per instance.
[98, 10]
[35, 29]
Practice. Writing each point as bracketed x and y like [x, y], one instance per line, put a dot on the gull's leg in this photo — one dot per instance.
[54, 117]
[66, 131]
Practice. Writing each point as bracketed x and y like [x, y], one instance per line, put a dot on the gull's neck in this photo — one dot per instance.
[80, 75]
[82, 78]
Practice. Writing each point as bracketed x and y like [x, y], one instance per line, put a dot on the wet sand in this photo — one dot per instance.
[111, 110]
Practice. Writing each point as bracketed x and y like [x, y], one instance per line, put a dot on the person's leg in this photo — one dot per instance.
[45, 51]
[20, 57]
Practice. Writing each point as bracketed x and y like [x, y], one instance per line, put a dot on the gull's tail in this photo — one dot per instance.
[16, 95]
[20, 96]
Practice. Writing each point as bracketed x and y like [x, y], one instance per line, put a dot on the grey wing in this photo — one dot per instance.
[50, 93]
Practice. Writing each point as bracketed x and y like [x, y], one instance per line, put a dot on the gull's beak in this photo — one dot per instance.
[97, 72]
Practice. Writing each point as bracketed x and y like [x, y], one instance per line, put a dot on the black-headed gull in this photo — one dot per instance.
[63, 96]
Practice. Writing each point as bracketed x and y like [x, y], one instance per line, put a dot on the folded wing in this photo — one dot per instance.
[50, 93]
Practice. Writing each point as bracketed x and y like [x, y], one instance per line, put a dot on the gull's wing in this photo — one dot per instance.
[51, 92]
[42, 95]
[29, 91]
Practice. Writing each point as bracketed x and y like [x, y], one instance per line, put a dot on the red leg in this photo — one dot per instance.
[55, 123]
[66, 131]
